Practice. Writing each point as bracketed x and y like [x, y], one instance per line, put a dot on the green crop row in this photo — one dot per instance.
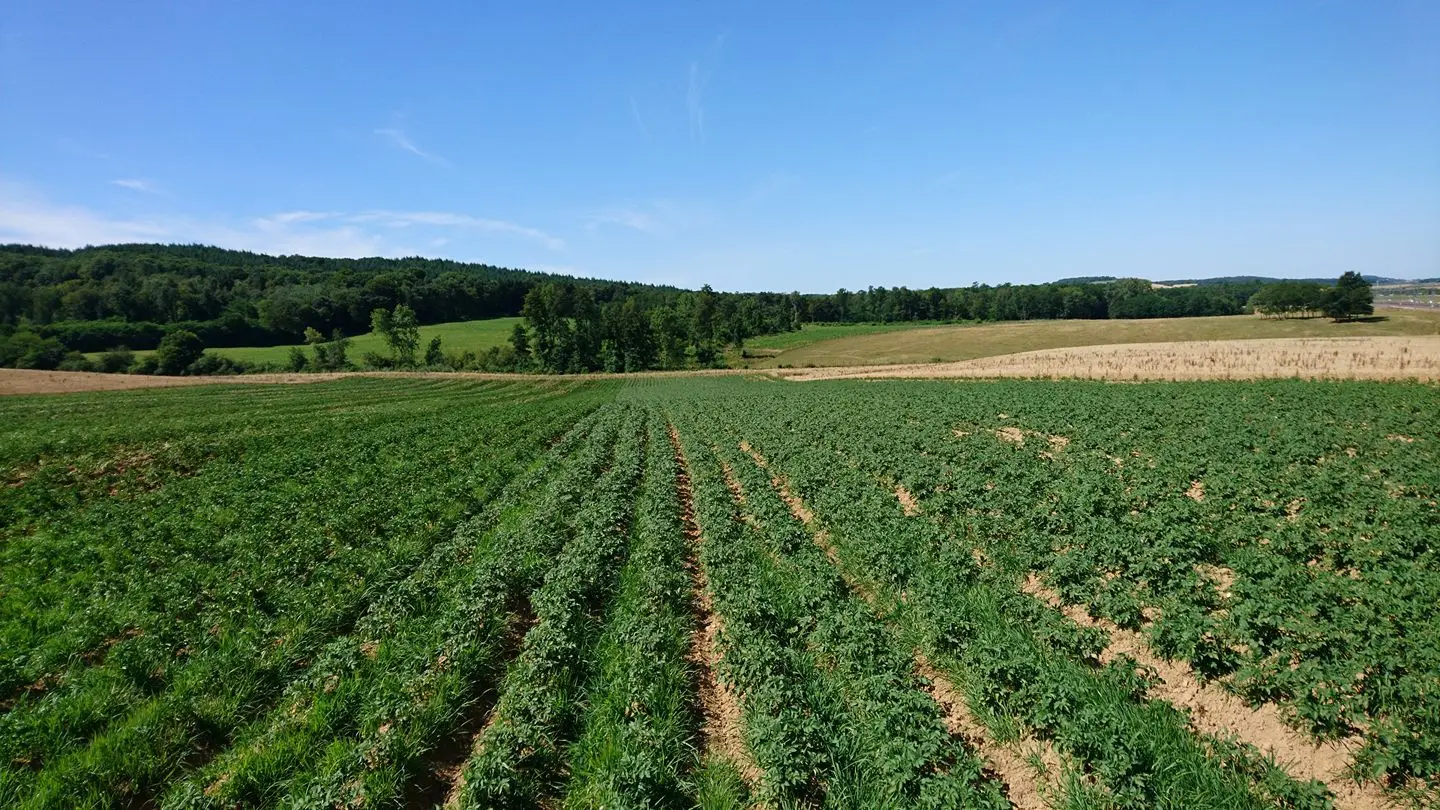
[635, 745]
[217, 607]
[834, 713]
[360, 726]
[1096, 488]
[423, 592]
[518, 755]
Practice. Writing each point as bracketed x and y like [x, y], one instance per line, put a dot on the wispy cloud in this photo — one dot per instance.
[25, 218]
[701, 71]
[28, 218]
[401, 140]
[287, 218]
[657, 217]
[136, 184]
[625, 217]
[639, 119]
[405, 219]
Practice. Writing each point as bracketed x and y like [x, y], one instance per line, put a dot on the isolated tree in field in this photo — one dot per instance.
[669, 337]
[295, 359]
[25, 349]
[589, 333]
[401, 331]
[434, 355]
[1285, 299]
[543, 313]
[1350, 299]
[520, 342]
[177, 351]
[329, 355]
[117, 360]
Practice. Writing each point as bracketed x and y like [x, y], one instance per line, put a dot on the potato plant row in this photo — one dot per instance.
[230, 582]
[1276, 538]
[716, 593]
[880, 738]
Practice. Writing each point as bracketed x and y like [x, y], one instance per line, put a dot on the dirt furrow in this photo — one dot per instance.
[454, 775]
[1215, 712]
[907, 501]
[719, 707]
[447, 763]
[1010, 763]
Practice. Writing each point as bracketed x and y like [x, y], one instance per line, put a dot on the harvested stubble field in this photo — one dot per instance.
[721, 592]
[1407, 358]
[883, 344]
[1366, 358]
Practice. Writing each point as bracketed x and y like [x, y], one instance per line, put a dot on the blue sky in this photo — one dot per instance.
[746, 145]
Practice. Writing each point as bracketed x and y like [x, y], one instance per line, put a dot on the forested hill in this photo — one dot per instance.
[98, 298]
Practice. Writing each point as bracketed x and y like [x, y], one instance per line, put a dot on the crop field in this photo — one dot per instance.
[1365, 358]
[948, 344]
[763, 346]
[723, 592]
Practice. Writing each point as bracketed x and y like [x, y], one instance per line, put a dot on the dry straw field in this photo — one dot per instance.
[954, 343]
[1368, 358]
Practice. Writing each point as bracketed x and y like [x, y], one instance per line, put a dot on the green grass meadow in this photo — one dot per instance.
[455, 337]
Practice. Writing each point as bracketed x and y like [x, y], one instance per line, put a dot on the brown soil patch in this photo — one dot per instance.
[802, 513]
[1415, 357]
[755, 454]
[907, 501]
[39, 686]
[733, 484]
[1400, 437]
[30, 381]
[1026, 788]
[1216, 712]
[451, 776]
[721, 718]
[1009, 763]
[447, 763]
[1013, 435]
[1196, 492]
[1221, 577]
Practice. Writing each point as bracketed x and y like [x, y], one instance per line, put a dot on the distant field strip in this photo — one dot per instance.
[950, 344]
[455, 337]
[1369, 358]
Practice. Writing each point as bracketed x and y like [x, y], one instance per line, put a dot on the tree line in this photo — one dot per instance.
[1349, 298]
[56, 305]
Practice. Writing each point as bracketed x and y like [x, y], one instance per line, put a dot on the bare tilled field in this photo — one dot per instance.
[1369, 358]
[26, 381]
[29, 381]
